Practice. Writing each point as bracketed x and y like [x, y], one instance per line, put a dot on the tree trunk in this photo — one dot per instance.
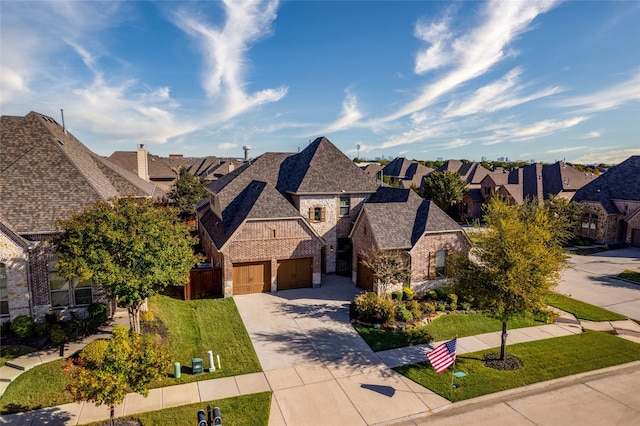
[112, 415]
[503, 346]
[134, 317]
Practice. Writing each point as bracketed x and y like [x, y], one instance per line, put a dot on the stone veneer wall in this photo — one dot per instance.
[15, 258]
[423, 253]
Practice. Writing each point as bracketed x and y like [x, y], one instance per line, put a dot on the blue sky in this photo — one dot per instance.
[542, 80]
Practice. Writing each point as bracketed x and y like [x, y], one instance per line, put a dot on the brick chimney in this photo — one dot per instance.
[143, 163]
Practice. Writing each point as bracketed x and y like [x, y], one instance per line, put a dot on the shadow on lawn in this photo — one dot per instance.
[47, 416]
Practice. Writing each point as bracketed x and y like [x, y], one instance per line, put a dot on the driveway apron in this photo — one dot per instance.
[319, 368]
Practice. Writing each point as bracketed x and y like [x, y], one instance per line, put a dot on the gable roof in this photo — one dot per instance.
[412, 217]
[47, 174]
[560, 177]
[621, 182]
[258, 200]
[408, 172]
[8, 231]
[321, 168]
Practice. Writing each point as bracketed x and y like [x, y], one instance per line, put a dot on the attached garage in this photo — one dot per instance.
[253, 277]
[295, 273]
[365, 277]
[635, 238]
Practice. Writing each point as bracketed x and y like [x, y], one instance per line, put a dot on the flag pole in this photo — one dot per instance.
[454, 368]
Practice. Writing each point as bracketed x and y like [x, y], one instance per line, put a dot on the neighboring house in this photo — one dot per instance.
[149, 167]
[406, 174]
[611, 205]
[208, 168]
[372, 169]
[282, 220]
[46, 174]
[535, 181]
[399, 220]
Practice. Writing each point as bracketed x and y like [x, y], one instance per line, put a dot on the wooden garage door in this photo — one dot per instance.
[254, 277]
[295, 273]
[635, 238]
[365, 277]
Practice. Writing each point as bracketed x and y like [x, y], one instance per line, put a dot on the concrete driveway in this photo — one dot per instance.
[592, 279]
[319, 368]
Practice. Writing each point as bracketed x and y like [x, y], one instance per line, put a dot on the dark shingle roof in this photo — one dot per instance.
[621, 182]
[158, 168]
[559, 177]
[47, 174]
[399, 217]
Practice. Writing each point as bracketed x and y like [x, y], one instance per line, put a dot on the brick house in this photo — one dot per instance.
[46, 174]
[399, 220]
[282, 220]
[611, 205]
[406, 174]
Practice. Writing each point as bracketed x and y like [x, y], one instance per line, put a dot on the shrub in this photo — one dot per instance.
[453, 306]
[42, 330]
[414, 307]
[370, 307]
[547, 317]
[98, 314]
[147, 316]
[441, 306]
[51, 317]
[431, 294]
[429, 308]
[466, 306]
[403, 314]
[452, 298]
[23, 326]
[93, 353]
[407, 293]
[57, 334]
[396, 295]
[442, 293]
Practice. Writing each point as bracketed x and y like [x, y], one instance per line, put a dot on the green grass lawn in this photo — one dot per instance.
[543, 360]
[630, 275]
[9, 352]
[443, 328]
[245, 410]
[197, 326]
[42, 386]
[193, 328]
[580, 309]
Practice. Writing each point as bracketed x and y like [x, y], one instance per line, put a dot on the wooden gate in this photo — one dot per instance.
[205, 282]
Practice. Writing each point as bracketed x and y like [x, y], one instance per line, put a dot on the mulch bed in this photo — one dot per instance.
[510, 362]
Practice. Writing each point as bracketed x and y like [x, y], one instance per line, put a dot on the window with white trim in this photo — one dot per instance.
[345, 205]
[65, 292]
[441, 264]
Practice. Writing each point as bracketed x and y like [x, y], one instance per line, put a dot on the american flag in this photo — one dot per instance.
[443, 355]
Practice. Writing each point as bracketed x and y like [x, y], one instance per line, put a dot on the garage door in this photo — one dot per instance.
[254, 277]
[295, 273]
[365, 277]
[635, 238]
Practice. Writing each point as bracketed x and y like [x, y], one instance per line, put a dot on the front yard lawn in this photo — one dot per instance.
[197, 326]
[189, 329]
[444, 327]
[245, 410]
[630, 275]
[543, 360]
[580, 309]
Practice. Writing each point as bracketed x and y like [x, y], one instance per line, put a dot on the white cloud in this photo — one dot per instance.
[456, 143]
[606, 99]
[546, 127]
[501, 94]
[571, 149]
[227, 146]
[349, 116]
[478, 51]
[225, 51]
[591, 135]
[609, 157]
[437, 55]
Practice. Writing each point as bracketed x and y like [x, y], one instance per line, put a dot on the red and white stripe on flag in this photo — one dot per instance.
[442, 356]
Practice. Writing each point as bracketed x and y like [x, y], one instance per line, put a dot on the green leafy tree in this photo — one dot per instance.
[388, 267]
[129, 247]
[517, 260]
[186, 191]
[128, 365]
[567, 213]
[445, 188]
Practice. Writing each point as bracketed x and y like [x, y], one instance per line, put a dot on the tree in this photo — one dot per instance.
[568, 213]
[129, 247]
[129, 364]
[445, 188]
[186, 191]
[388, 266]
[517, 260]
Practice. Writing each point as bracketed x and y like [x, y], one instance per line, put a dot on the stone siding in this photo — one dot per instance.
[15, 259]
[423, 253]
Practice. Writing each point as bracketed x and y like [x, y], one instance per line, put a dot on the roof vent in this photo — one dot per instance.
[60, 142]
